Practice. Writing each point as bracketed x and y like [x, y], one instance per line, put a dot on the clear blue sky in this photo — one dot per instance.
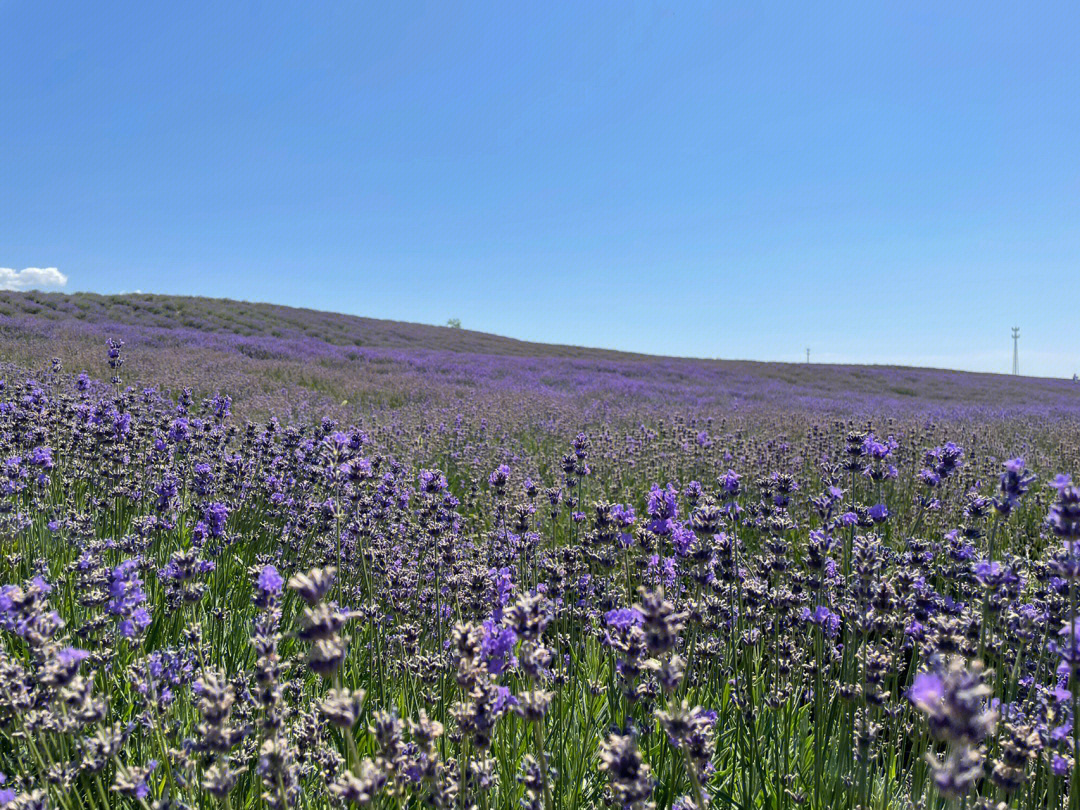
[891, 184]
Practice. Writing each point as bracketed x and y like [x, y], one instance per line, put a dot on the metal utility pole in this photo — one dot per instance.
[1016, 351]
[807, 354]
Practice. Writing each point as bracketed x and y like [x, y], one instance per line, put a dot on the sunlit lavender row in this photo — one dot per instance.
[461, 595]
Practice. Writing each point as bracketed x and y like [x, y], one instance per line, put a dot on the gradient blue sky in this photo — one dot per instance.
[898, 184]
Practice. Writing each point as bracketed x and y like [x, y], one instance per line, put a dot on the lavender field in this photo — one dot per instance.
[255, 556]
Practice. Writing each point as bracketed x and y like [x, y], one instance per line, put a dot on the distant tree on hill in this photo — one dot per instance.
[454, 323]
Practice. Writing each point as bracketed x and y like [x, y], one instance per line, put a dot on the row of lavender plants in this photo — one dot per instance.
[459, 611]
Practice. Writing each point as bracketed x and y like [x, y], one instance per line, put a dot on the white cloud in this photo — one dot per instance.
[31, 278]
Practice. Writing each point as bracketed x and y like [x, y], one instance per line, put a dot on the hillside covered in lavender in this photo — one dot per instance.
[284, 360]
[262, 557]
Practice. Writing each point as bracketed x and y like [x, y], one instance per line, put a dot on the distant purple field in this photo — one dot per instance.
[276, 359]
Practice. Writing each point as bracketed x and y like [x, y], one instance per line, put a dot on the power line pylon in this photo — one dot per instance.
[1016, 350]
